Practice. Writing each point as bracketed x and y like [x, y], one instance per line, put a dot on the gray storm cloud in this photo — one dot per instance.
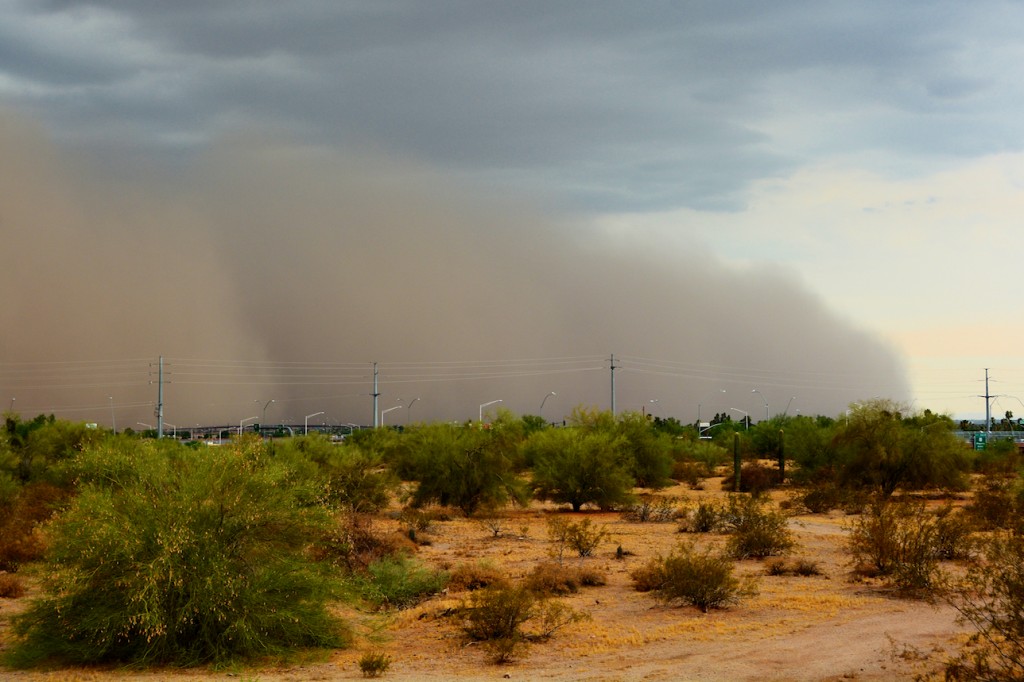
[273, 271]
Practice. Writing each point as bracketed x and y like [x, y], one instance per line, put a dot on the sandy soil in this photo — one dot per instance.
[827, 627]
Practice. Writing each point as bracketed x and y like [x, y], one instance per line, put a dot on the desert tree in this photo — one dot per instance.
[578, 467]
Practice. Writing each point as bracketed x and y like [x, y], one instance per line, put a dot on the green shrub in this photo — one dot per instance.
[398, 582]
[468, 468]
[177, 557]
[708, 455]
[652, 509]
[755, 531]
[580, 466]
[706, 517]
[690, 473]
[497, 616]
[686, 576]
[583, 537]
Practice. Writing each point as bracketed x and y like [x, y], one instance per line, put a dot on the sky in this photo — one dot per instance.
[756, 207]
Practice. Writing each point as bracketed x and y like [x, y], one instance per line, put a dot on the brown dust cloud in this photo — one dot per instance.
[271, 277]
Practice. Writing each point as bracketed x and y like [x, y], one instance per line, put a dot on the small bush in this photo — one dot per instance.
[953, 539]
[694, 578]
[822, 499]
[353, 544]
[997, 505]
[476, 576]
[11, 586]
[806, 568]
[690, 473]
[706, 517]
[800, 567]
[549, 578]
[991, 599]
[583, 537]
[897, 540]
[755, 479]
[494, 522]
[652, 509]
[756, 532]
[398, 582]
[496, 616]
[374, 663]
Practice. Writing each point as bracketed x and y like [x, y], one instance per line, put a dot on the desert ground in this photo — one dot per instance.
[832, 626]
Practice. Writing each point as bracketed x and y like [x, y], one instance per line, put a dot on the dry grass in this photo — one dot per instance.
[818, 627]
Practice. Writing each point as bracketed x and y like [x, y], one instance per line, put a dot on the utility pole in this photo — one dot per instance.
[988, 408]
[376, 398]
[160, 400]
[613, 384]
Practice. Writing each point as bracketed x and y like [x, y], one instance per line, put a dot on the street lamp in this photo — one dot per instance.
[541, 411]
[408, 409]
[766, 415]
[242, 423]
[698, 407]
[384, 412]
[113, 421]
[786, 411]
[174, 429]
[265, 406]
[485, 405]
[746, 417]
[12, 405]
[305, 426]
[643, 408]
[148, 426]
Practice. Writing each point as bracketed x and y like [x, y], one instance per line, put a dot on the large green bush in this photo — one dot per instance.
[464, 467]
[180, 557]
[580, 466]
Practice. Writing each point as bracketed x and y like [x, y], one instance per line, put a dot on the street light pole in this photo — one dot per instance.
[113, 421]
[481, 416]
[242, 423]
[786, 411]
[408, 410]
[541, 411]
[305, 426]
[265, 406]
[746, 417]
[384, 412]
[766, 415]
